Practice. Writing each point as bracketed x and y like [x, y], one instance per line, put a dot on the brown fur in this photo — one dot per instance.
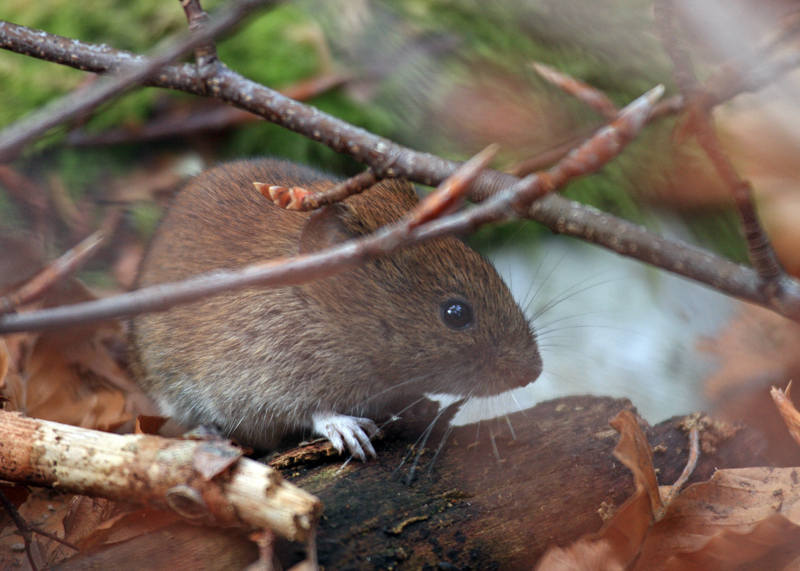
[260, 362]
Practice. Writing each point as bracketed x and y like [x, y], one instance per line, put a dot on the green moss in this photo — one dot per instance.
[274, 48]
[145, 216]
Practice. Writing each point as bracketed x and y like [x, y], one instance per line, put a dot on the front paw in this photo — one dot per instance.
[349, 431]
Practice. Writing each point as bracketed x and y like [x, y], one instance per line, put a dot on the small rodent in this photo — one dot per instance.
[330, 354]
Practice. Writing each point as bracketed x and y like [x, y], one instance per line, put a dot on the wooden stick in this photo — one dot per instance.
[202, 480]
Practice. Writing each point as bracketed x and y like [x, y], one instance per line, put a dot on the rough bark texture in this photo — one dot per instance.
[202, 481]
[479, 510]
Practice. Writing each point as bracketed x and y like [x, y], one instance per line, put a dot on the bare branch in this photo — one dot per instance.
[450, 194]
[389, 159]
[700, 123]
[200, 480]
[57, 270]
[580, 90]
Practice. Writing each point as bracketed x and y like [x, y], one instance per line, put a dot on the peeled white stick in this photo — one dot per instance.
[202, 480]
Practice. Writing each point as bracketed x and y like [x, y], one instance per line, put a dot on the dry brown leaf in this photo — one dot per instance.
[732, 521]
[63, 389]
[788, 411]
[71, 376]
[756, 344]
[178, 546]
[146, 424]
[13, 350]
[85, 515]
[126, 524]
[214, 457]
[755, 351]
[618, 543]
[44, 508]
[635, 453]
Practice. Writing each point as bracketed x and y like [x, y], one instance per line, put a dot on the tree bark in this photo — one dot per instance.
[480, 509]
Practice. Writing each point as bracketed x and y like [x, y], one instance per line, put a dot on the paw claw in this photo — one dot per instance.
[347, 431]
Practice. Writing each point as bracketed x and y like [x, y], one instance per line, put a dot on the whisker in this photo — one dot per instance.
[494, 446]
[394, 387]
[345, 463]
[572, 291]
[511, 428]
[526, 301]
[520, 409]
[420, 445]
[445, 436]
[543, 325]
[425, 436]
[397, 414]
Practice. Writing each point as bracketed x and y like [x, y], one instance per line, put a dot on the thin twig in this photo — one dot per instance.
[56, 271]
[450, 195]
[205, 53]
[580, 90]
[760, 250]
[22, 526]
[354, 185]
[688, 470]
[299, 198]
[597, 151]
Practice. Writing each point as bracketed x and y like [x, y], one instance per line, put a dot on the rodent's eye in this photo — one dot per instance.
[456, 314]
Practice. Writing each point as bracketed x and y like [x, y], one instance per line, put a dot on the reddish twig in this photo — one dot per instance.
[298, 198]
[53, 273]
[597, 151]
[582, 91]
[550, 157]
[450, 194]
[762, 255]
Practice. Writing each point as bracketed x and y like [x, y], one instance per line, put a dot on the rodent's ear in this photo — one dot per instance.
[326, 227]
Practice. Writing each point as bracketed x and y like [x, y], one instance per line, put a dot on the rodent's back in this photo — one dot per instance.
[259, 362]
[223, 222]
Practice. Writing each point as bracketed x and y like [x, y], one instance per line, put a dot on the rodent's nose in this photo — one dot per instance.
[525, 375]
[523, 380]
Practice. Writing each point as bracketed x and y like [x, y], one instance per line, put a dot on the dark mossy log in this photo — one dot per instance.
[491, 500]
